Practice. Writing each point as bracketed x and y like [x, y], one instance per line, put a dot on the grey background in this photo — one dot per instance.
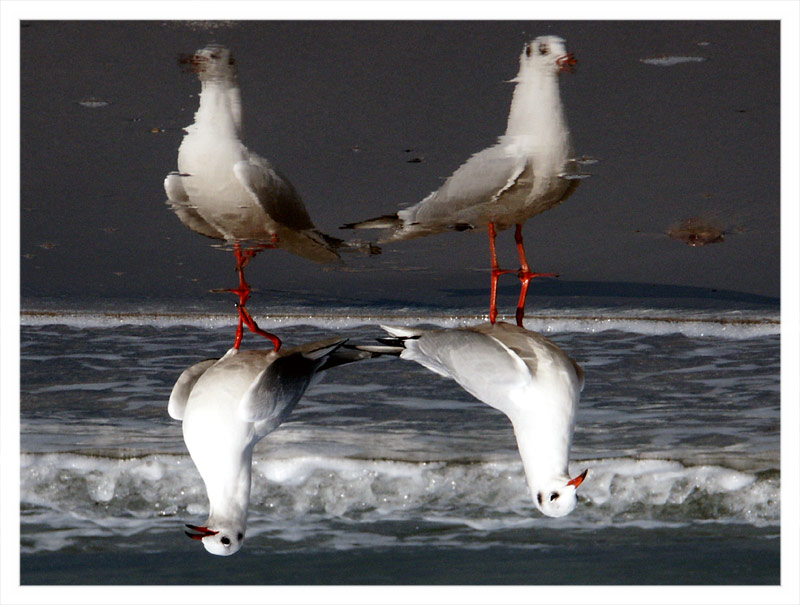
[341, 107]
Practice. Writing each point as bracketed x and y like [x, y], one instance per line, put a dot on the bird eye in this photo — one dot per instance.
[543, 49]
[225, 540]
[554, 496]
[528, 50]
[239, 536]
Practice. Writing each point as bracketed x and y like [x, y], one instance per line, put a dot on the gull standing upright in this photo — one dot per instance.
[224, 191]
[522, 374]
[528, 171]
[228, 405]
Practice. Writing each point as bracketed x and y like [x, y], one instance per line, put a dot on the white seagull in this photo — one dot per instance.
[528, 171]
[228, 405]
[225, 191]
[522, 374]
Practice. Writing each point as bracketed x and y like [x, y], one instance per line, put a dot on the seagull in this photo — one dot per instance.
[522, 374]
[528, 171]
[229, 404]
[226, 192]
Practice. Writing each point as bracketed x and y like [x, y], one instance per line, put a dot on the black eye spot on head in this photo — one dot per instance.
[539, 498]
[239, 537]
[543, 49]
[554, 496]
[225, 540]
[528, 50]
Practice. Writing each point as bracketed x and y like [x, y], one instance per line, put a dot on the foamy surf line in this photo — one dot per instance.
[726, 326]
[98, 495]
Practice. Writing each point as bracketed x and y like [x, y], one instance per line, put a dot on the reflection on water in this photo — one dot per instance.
[225, 192]
[528, 171]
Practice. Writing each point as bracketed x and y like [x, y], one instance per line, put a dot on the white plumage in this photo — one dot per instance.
[528, 171]
[525, 376]
[225, 191]
[228, 405]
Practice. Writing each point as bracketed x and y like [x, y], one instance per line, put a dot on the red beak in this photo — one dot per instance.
[192, 63]
[203, 532]
[567, 63]
[578, 480]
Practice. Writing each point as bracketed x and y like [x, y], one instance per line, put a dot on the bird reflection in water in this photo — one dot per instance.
[226, 192]
[529, 170]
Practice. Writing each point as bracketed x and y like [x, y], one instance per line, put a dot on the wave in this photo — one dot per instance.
[725, 324]
[66, 496]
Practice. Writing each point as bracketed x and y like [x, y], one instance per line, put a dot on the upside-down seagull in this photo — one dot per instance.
[228, 405]
[522, 374]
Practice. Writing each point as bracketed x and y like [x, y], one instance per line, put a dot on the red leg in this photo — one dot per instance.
[244, 316]
[243, 292]
[244, 256]
[525, 274]
[496, 273]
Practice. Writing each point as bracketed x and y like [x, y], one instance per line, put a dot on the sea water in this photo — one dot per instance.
[389, 474]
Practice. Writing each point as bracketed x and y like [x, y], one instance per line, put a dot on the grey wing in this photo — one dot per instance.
[480, 364]
[180, 204]
[274, 192]
[525, 344]
[183, 387]
[277, 389]
[529, 346]
[477, 183]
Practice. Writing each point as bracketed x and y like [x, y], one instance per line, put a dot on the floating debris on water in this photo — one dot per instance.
[696, 232]
[667, 61]
[93, 102]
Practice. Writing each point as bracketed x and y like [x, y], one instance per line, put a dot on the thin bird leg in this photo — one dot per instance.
[243, 292]
[244, 316]
[496, 273]
[244, 256]
[525, 274]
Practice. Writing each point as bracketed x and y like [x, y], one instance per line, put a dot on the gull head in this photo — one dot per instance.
[214, 62]
[223, 541]
[545, 54]
[557, 498]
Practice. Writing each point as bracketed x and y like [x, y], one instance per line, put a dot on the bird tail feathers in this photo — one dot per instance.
[379, 350]
[401, 333]
[387, 221]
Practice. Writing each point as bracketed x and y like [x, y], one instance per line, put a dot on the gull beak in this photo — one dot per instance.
[202, 532]
[578, 480]
[567, 63]
[192, 63]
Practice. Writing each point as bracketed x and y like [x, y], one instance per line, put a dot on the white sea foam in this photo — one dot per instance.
[73, 496]
[728, 324]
